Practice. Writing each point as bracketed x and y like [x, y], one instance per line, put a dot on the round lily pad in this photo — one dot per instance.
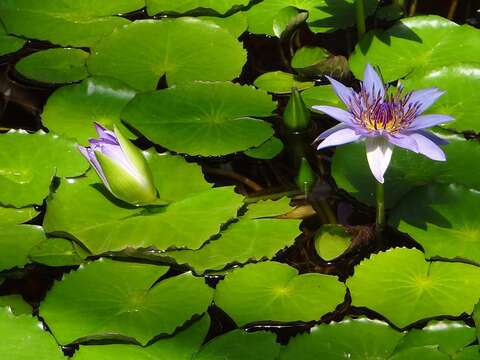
[23, 338]
[443, 219]
[243, 241]
[266, 151]
[29, 162]
[462, 100]
[236, 24]
[240, 345]
[16, 241]
[14, 216]
[9, 44]
[123, 301]
[183, 6]
[427, 289]
[71, 110]
[59, 65]
[331, 241]
[279, 82]
[348, 339]
[308, 56]
[406, 170]
[321, 95]
[55, 252]
[323, 15]
[423, 352]
[274, 291]
[67, 23]
[203, 118]
[182, 346]
[17, 305]
[469, 353]
[142, 52]
[414, 44]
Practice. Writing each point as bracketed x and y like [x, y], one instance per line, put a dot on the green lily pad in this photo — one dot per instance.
[123, 301]
[323, 16]
[287, 20]
[57, 65]
[236, 24]
[101, 225]
[71, 110]
[424, 353]
[240, 345]
[16, 241]
[274, 291]
[203, 118]
[469, 353]
[9, 44]
[476, 318]
[13, 216]
[142, 52]
[279, 82]
[29, 162]
[268, 208]
[406, 170]
[414, 44]
[17, 305]
[462, 100]
[246, 240]
[348, 339]
[67, 23]
[23, 338]
[308, 56]
[427, 289]
[55, 252]
[182, 346]
[449, 336]
[441, 218]
[331, 241]
[266, 151]
[321, 95]
[183, 6]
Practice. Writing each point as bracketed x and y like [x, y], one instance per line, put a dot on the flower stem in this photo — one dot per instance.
[360, 15]
[380, 215]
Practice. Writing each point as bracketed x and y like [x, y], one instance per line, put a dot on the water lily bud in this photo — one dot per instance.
[121, 167]
[296, 115]
[306, 176]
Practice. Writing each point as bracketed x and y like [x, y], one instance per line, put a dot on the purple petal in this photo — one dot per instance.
[343, 92]
[89, 154]
[427, 121]
[114, 152]
[379, 154]
[372, 82]
[330, 131]
[428, 148]
[424, 98]
[339, 137]
[105, 134]
[432, 137]
[405, 141]
[336, 113]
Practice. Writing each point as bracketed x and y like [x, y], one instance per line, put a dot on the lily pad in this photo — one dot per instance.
[427, 289]
[449, 336]
[181, 346]
[14, 216]
[266, 151]
[308, 56]
[279, 82]
[406, 170]
[71, 110]
[462, 100]
[348, 339]
[241, 242]
[203, 118]
[442, 219]
[101, 225]
[122, 302]
[16, 241]
[268, 208]
[142, 52]
[415, 44]
[321, 95]
[236, 24]
[55, 252]
[23, 338]
[469, 353]
[59, 65]
[17, 305]
[240, 345]
[67, 23]
[275, 292]
[324, 15]
[331, 241]
[183, 6]
[9, 44]
[30, 161]
[424, 353]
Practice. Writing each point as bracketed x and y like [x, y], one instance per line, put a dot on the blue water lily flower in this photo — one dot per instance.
[384, 119]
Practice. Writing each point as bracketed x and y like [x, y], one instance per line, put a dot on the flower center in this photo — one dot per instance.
[391, 113]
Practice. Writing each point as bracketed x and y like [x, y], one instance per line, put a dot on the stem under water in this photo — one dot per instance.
[380, 214]
[360, 17]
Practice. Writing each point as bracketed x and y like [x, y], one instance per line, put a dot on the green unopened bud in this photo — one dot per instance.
[296, 115]
[306, 176]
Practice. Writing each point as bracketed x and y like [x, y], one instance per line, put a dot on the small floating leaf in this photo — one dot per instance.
[279, 82]
[331, 241]
[266, 151]
[268, 208]
[9, 44]
[308, 56]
